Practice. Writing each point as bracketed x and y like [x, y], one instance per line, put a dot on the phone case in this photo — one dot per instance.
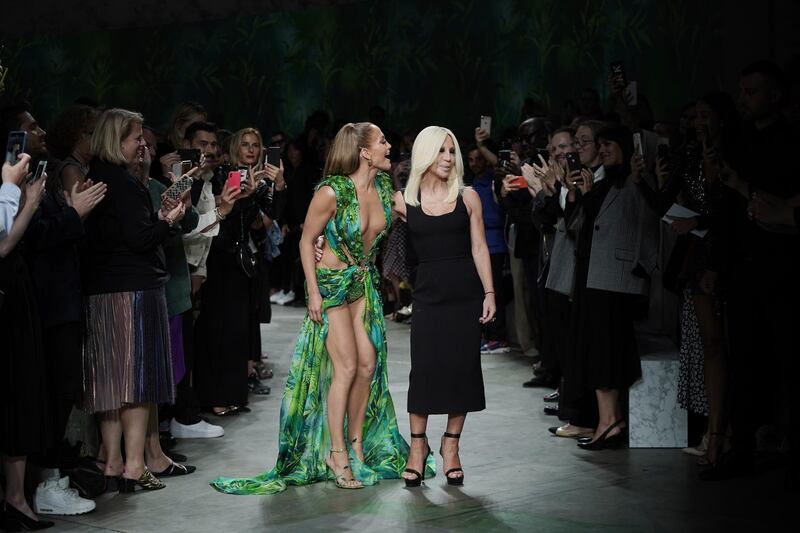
[234, 179]
[486, 124]
[178, 188]
[15, 145]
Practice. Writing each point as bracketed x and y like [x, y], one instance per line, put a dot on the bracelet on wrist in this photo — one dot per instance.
[219, 215]
[488, 293]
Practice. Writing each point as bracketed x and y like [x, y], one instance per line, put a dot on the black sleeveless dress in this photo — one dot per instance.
[446, 375]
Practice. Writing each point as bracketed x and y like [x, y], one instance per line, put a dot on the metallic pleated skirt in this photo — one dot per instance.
[126, 356]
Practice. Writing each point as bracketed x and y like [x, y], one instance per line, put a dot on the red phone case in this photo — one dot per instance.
[234, 179]
[520, 182]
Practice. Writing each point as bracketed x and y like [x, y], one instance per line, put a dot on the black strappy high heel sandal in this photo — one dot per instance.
[417, 481]
[458, 480]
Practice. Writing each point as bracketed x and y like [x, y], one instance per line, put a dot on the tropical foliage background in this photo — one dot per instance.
[444, 61]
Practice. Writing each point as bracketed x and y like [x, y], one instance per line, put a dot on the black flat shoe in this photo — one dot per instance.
[230, 411]
[553, 397]
[539, 382]
[15, 520]
[458, 480]
[177, 457]
[417, 481]
[176, 469]
[551, 410]
[604, 442]
[553, 429]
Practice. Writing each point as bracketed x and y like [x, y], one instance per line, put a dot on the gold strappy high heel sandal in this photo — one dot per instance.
[341, 481]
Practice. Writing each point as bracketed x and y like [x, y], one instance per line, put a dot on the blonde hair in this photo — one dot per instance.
[423, 155]
[344, 155]
[236, 143]
[180, 120]
[113, 126]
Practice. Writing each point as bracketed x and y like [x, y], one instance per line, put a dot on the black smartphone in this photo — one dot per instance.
[273, 156]
[618, 72]
[15, 145]
[190, 154]
[40, 168]
[504, 157]
[544, 152]
[573, 161]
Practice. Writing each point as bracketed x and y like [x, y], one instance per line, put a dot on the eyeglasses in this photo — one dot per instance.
[583, 141]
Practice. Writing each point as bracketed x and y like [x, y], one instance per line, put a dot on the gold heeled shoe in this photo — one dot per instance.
[341, 481]
[147, 481]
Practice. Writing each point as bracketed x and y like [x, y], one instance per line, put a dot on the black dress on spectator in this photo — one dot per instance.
[228, 330]
[25, 424]
[601, 348]
[52, 242]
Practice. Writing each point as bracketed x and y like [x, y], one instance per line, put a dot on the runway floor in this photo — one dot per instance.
[518, 476]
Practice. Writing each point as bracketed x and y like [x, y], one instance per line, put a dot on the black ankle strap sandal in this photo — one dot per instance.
[457, 480]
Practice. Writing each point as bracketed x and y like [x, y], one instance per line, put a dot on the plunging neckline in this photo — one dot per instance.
[367, 252]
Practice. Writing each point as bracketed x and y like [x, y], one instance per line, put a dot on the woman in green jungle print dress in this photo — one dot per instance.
[337, 382]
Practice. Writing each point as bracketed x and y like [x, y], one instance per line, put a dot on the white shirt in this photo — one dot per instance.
[9, 205]
[197, 243]
[599, 174]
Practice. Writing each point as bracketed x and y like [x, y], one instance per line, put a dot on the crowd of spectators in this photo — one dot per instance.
[135, 274]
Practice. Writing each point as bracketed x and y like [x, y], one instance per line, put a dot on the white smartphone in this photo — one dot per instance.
[630, 94]
[486, 124]
[637, 144]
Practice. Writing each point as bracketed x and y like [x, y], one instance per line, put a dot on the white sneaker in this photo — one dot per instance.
[200, 430]
[276, 297]
[288, 298]
[405, 311]
[55, 497]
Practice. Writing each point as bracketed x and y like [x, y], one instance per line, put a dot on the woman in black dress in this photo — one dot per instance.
[453, 296]
[612, 249]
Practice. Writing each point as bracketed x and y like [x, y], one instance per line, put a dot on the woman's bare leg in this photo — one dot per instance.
[418, 453]
[714, 371]
[111, 432]
[134, 430]
[365, 370]
[449, 449]
[343, 353]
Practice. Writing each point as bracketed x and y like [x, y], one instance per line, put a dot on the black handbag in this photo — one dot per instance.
[245, 255]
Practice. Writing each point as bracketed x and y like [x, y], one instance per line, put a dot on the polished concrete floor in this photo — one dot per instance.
[518, 477]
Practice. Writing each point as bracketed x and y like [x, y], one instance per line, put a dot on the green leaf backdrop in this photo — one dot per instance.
[426, 62]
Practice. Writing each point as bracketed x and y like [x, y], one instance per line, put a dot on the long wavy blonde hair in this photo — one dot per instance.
[423, 155]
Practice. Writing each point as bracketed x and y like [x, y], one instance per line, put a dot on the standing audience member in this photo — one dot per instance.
[52, 242]
[25, 427]
[762, 285]
[606, 220]
[127, 361]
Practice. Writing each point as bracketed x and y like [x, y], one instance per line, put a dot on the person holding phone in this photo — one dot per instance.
[229, 339]
[24, 411]
[693, 175]
[612, 245]
[338, 371]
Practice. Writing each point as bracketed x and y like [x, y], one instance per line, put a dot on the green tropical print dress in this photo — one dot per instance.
[304, 440]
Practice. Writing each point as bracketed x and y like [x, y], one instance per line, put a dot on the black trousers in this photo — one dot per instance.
[763, 352]
[62, 350]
